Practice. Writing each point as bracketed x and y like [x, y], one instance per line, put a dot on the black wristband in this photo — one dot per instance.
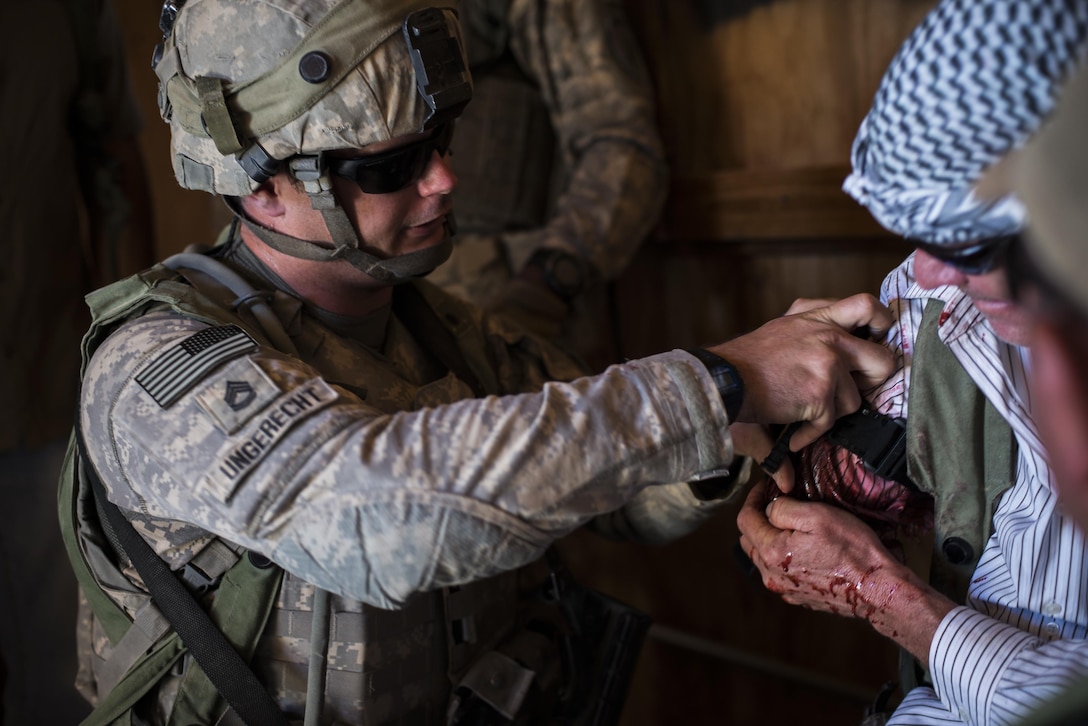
[726, 378]
[564, 273]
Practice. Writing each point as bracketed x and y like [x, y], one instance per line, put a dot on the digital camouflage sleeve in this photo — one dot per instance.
[267, 453]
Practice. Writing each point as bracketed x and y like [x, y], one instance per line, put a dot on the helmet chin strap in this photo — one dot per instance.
[345, 238]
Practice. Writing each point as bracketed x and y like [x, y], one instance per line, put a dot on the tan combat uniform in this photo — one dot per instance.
[366, 468]
[559, 148]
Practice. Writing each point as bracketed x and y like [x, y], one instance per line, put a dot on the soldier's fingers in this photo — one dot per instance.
[804, 304]
[858, 311]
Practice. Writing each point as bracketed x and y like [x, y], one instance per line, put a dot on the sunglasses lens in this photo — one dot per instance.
[975, 259]
[393, 174]
[396, 169]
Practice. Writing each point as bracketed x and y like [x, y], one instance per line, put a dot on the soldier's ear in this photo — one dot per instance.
[268, 201]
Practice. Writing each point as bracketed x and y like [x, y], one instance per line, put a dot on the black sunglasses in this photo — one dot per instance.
[391, 171]
[972, 258]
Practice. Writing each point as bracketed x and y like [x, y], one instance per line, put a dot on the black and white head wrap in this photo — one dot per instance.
[973, 82]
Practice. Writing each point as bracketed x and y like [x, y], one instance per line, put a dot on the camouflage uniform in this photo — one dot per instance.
[558, 149]
[45, 268]
[404, 469]
[365, 467]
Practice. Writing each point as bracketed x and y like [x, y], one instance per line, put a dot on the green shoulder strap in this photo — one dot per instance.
[245, 595]
[960, 450]
[242, 604]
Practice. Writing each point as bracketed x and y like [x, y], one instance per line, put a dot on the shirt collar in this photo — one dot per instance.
[959, 317]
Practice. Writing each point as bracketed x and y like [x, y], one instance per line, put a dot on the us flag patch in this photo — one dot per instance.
[168, 378]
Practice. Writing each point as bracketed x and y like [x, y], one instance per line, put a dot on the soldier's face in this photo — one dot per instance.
[389, 224]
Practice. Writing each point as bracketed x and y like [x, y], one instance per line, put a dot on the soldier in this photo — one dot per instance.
[561, 169]
[1050, 175]
[353, 469]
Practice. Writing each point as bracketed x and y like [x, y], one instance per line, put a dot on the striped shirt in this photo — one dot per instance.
[1021, 638]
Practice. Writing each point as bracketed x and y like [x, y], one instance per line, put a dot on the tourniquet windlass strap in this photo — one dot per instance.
[215, 655]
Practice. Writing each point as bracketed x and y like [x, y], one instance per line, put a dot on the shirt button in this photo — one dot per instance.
[1052, 608]
[958, 551]
[1051, 629]
[964, 716]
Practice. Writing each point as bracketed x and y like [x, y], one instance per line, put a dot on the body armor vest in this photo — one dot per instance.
[505, 147]
[383, 666]
[961, 452]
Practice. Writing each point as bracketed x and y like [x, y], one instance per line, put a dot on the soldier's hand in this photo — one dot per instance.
[808, 366]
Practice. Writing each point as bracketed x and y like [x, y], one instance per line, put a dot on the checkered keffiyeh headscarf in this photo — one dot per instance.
[972, 82]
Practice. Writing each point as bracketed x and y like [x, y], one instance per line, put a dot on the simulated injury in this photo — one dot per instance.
[860, 466]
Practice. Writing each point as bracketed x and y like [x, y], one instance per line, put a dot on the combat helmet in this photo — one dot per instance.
[252, 87]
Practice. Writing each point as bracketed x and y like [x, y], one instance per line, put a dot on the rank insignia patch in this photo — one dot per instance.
[181, 367]
[239, 394]
[236, 393]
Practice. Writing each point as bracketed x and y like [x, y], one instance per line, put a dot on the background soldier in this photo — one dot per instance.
[361, 472]
[561, 171]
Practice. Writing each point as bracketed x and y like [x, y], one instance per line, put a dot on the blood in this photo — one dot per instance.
[828, 473]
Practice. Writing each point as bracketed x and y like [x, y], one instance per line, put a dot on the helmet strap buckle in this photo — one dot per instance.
[313, 172]
[310, 168]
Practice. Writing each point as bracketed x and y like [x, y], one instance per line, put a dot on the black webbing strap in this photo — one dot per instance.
[421, 319]
[231, 675]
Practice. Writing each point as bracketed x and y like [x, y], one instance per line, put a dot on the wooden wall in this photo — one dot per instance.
[759, 102]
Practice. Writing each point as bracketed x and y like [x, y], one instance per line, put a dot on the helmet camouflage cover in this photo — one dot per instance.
[246, 84]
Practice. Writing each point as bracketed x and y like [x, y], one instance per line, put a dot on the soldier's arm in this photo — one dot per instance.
[265, 453]
[118, 197]
[584, 58]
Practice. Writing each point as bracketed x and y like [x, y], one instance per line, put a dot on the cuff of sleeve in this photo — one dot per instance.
[706, 415]
[726, 378]
[969, 649]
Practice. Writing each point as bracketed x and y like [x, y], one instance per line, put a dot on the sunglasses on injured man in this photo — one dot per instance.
[972, 258]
